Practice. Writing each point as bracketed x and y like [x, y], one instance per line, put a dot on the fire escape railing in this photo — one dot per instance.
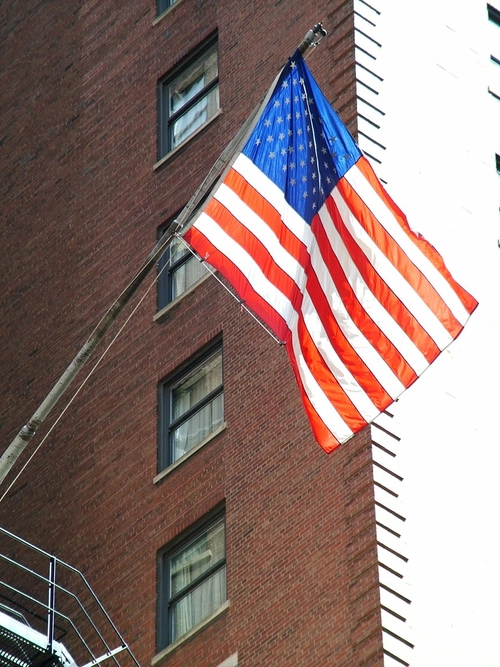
[80, 620]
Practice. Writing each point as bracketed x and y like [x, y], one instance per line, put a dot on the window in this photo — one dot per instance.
[188, 98]
[192, 406]
[192, 580]
[163, 5]
[494, 77]
[179, 270]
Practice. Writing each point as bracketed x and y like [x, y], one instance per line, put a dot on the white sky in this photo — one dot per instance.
[442, 130]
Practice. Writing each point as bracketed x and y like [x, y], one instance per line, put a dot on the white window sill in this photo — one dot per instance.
[161, 475]
[173, 152]
[232, 661]
[172, 647]
[161, 314]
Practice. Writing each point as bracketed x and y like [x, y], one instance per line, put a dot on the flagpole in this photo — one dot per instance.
[27, 432]
[223, 164]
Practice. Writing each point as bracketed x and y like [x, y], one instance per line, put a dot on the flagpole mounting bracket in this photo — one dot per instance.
[313, 37]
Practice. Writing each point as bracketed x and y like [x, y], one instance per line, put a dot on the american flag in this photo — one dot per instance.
[306, 234]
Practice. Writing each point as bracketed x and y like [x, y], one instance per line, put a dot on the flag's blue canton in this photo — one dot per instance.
[299, 141]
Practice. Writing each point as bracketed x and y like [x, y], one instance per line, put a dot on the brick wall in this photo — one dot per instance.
[82, 204]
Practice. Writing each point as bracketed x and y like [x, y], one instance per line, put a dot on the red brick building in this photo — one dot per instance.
[183, 479]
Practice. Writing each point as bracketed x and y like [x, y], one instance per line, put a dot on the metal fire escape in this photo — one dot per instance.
[35, 631]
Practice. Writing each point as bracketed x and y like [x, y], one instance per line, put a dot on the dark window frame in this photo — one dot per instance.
[164, 289]
[166, 601]
[493, 14]
[163, 5]
[167, 425]
[167, 119]
[167, 270]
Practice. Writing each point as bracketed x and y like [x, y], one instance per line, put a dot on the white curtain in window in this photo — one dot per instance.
[197, 384]
[186, 275]
[194, 117]
[198, 427]
[184, 88]
[200, 603]
[191, 390]
[201, 555]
